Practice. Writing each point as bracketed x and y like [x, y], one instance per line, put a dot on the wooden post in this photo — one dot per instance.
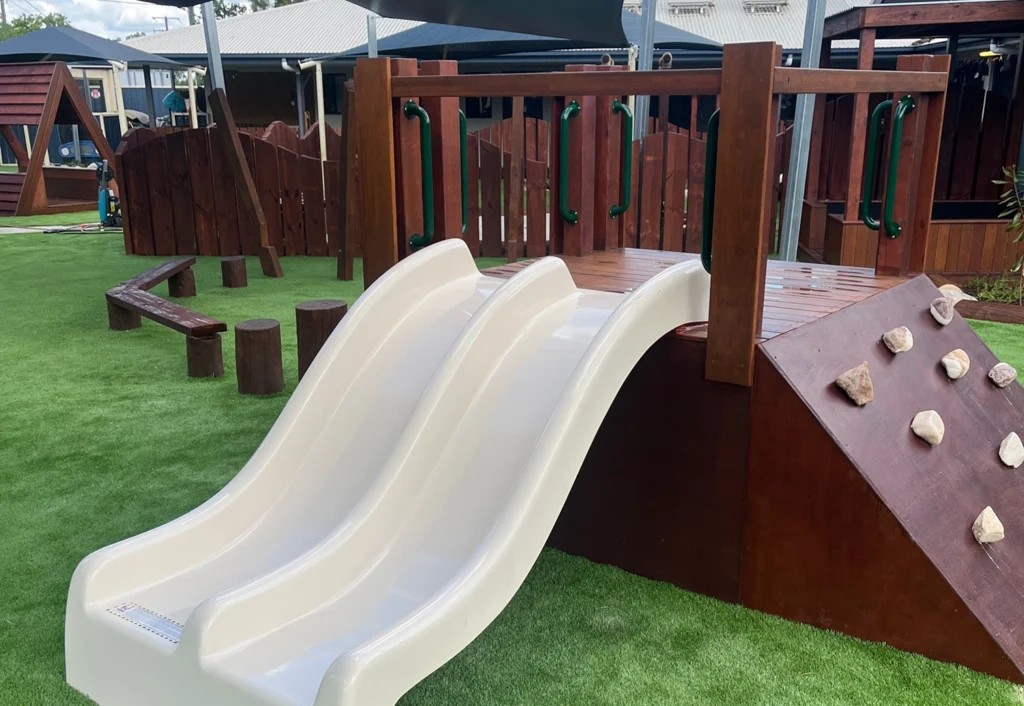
[245, 187]
[258, 357]
[121, 319]
[232, 271]
[182, 284]
[739, 258]
[915, 184]
[607, 168]
[579, 238]
[204, 356]
[444, 137]
[817, 125]
[514, 207]
[314, 322]
[374, 111]
[408, 163]
[859, 131]
[558, 225]
[348, 128]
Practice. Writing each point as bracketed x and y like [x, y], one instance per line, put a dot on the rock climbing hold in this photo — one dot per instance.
[856, 383]
[898, 340]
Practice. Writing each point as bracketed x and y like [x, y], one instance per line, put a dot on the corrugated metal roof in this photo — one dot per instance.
[728, 21]
[306, 29]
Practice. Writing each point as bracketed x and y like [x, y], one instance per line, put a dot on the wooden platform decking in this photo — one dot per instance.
[796, 293]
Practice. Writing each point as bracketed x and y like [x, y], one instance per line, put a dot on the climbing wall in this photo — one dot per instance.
[856, 524]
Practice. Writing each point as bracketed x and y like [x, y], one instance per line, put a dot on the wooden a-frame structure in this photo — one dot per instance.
[44, 95]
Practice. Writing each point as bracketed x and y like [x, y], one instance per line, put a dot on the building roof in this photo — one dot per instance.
[306, 29]
[731, 21]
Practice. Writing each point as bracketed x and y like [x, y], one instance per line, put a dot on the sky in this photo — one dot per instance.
[106, 18]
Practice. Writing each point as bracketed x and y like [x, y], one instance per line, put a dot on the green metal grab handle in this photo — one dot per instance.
[869, 167]
[627, 158]
[417, 241]
[465, 172]
[571, 217]
[710, 172]
[892, 228]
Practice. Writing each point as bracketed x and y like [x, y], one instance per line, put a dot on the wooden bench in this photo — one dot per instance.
[131, 300]
[128, 301]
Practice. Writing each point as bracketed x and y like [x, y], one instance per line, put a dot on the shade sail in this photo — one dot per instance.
[598, 22]
[74, 45]
[430, 41]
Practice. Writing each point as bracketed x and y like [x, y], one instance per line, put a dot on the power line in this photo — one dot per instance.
[34, 7]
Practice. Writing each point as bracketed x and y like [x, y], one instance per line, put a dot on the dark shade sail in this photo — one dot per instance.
[598, 22]
[435, 41]
[74, 45]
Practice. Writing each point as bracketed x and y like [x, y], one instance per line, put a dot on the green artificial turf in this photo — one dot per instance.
[1005, 340]
[57, 219]
[103, 436]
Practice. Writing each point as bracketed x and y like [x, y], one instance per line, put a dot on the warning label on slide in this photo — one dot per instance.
[148, 620]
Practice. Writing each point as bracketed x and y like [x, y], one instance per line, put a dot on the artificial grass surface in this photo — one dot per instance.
[56, 219]
[102, 436]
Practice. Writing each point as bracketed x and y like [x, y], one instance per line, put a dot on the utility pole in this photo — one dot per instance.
[215, 70]
[191, 15]
[167, 20]
[792, 213]
[3, 13]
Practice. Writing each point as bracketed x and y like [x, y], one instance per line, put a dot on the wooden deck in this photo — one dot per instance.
[796, 293]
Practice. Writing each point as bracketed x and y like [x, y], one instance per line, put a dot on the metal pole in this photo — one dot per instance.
[300, 102]
[192, 114]
[643, 103]
[320, 112]
[122, 119]
[216, 69]
[371, 36]
[802, 120]
[150, 104]
[78, 144]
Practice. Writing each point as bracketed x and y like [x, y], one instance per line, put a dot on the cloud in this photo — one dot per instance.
[106, 18]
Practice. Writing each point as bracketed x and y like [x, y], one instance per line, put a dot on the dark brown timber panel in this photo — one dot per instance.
[877, 542]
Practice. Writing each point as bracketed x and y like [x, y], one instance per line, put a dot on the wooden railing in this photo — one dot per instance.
[748, 85]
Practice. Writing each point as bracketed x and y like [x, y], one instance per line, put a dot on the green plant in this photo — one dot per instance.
[1013, 208]
[1002, 289]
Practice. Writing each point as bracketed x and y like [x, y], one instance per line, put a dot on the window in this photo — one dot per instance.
[96, 95]
[135, 78]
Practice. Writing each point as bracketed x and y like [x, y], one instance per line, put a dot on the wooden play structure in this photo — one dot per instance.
[44, 95]
[180, 198]
[730, 464]
[980, 134]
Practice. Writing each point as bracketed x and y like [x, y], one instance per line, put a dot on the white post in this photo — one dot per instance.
[643, 103]
[320, 113]
[192, 99]
[213, 63]
[792, 213]
[371, 36]
[122, 119]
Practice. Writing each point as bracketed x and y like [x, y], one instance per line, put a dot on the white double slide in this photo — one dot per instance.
[394, 508]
